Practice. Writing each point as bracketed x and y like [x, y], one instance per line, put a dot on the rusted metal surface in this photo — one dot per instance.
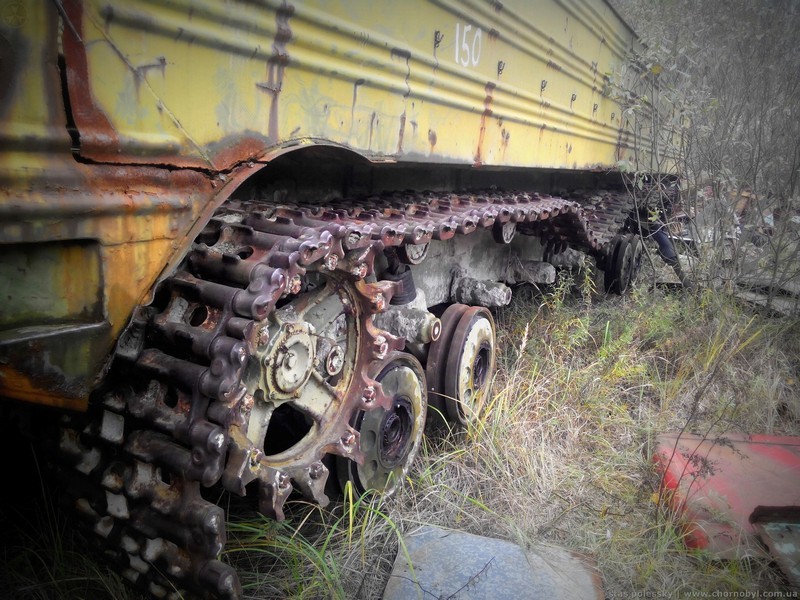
[389, 432]
[78, 263]
[623, 260]
[436, 364]
[82, 244]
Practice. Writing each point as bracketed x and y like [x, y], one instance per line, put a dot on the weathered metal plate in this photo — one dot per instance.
[779, 529]
[716, 484]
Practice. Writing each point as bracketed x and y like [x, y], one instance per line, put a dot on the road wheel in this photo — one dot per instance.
[470, 365]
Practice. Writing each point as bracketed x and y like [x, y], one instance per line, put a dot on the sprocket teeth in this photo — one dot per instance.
[311, 482]
[273, 491]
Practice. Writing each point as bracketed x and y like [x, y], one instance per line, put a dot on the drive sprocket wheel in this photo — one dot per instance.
[389, 437]
[301, 380]
[470, 365]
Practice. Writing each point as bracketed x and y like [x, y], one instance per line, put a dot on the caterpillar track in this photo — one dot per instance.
[261, 366]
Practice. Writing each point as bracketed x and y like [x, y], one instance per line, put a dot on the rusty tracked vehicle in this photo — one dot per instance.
[251, 244]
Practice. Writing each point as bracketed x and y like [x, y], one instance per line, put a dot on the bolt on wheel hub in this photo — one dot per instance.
[291, 360]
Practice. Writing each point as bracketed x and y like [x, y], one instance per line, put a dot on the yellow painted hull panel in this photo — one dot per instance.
[210, 83]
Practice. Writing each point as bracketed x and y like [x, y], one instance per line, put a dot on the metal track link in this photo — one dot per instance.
[265, 332]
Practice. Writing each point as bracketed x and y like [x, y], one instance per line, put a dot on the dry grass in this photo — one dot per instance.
[561, 453]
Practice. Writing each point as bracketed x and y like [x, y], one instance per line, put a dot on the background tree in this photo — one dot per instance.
[720, 81]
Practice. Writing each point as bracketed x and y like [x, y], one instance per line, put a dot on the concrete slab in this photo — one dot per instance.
[456, 565]
[783, 305]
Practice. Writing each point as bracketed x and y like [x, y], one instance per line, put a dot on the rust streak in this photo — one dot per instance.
[96, 131]
[406, 55]
[505, 137]
[438, 37]
[402, 132]
[371, 128]
[276, 64]
[487, 112]
[356, 85]
[553, 65]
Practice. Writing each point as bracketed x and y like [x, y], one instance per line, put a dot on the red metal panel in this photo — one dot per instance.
[717, 482]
